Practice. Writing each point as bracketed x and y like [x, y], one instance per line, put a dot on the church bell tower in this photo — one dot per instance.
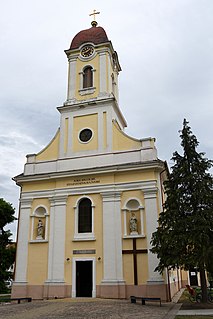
[93, 67]
[91, 107]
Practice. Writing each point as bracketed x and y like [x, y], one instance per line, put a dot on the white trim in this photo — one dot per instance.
[125, 209]
[71, 78]
[84, 191]
[84, 237]
[112, 237]
[103, 72]
[22, 245]
[100, 131]
[61, 137]
[130, 198]
[109, 131]
[85, 91]
[76, 259]
[46, 223]
[56, 255]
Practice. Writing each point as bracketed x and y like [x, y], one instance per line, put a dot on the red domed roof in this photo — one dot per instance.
[95, 35]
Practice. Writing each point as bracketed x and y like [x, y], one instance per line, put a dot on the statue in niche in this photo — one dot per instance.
[40, 229]
[133, 225]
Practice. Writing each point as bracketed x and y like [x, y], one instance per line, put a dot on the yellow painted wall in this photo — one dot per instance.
[37, 252]
[137, 175]
[38, 186]
[81, 122]
[142, 262]
[37, 263]
[121, 141]
[50, 152]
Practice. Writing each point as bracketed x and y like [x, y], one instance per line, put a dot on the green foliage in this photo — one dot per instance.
[185, 232]
[7, 251]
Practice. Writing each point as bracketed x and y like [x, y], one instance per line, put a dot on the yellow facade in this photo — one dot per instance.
[121, 141]
[89, 206]
[81, 122]
[50, 152]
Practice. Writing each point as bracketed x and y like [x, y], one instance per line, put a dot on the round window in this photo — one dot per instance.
[85, 135]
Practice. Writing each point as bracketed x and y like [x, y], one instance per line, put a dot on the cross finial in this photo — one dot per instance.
[94, 22]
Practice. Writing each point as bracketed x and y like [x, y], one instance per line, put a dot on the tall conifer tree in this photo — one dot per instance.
[184, 237]
[7, 251]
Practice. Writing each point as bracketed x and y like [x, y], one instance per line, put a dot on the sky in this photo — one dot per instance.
[165, 49]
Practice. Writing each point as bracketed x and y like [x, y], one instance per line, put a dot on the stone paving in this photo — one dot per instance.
[87, 308]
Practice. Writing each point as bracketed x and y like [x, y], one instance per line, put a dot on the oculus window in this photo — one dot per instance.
[85, 135]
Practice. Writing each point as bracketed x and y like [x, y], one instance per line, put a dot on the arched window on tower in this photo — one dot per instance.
[85, 216]
[87, 77]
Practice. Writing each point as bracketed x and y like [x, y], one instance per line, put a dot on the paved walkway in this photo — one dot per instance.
[197, 312]
[87, 308]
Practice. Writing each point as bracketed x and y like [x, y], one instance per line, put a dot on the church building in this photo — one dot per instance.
[90, 200]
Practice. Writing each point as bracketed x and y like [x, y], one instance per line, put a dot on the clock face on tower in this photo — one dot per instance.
[87, 51]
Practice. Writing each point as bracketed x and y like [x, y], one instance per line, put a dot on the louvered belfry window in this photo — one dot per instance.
[87, 77]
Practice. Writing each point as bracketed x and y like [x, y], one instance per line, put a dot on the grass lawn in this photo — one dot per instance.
[187, 305]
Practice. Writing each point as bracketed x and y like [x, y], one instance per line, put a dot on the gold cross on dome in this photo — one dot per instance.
[94, 13]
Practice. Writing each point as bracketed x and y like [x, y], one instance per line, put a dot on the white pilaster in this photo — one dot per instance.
[62, 136]
[71, 79]
[57, 239]
[22, 245]
[100, 131]
[151, 208]
[112, 239]
[109, 131]
[103, 73]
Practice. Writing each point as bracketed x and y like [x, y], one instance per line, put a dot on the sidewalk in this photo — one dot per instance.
[197, 312]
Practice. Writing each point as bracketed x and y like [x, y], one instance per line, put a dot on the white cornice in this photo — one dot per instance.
[156, 164]
[107, 190]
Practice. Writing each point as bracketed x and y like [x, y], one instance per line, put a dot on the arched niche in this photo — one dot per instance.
[133, 212]
[39, 231]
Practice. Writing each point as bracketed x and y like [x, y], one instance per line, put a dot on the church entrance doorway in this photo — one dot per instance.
[84, 278]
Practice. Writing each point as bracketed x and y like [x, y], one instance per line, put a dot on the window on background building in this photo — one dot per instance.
[85, 216]
[87, 77]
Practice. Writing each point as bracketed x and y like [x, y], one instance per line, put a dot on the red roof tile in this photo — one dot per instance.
[95, 35]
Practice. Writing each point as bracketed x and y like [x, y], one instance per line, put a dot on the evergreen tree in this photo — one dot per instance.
[7, 251]
[185, 232]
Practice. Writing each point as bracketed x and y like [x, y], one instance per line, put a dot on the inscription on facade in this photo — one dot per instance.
[83, 181]
[81, 252]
